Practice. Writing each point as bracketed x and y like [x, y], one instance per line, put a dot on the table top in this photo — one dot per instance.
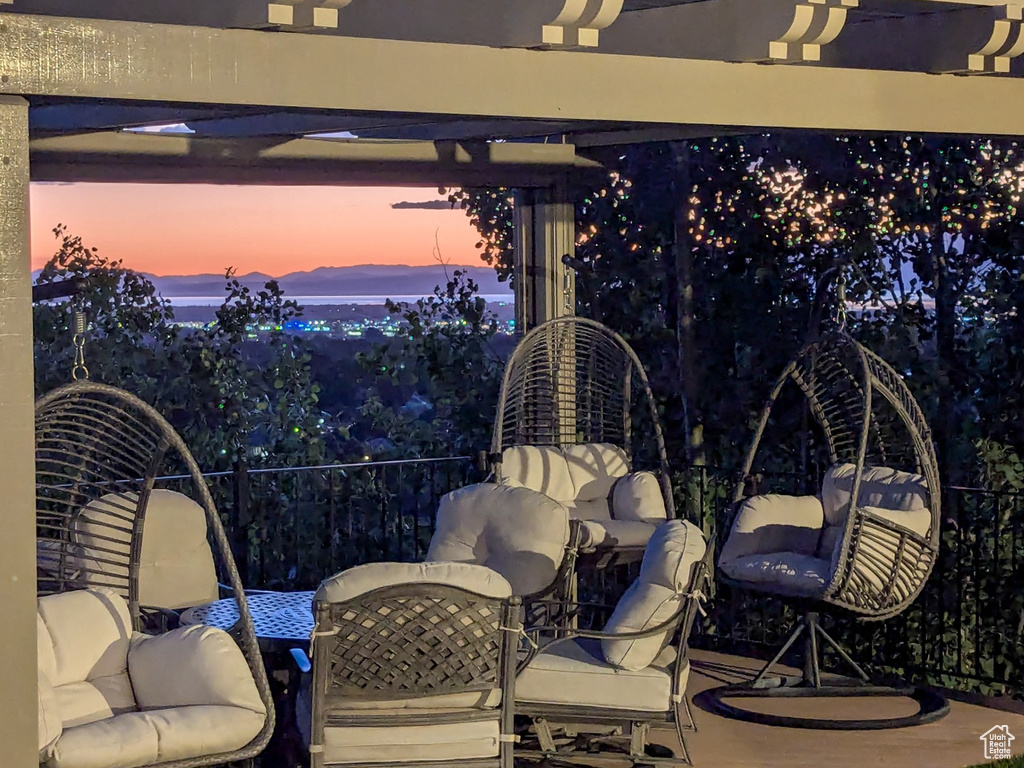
[277, 616]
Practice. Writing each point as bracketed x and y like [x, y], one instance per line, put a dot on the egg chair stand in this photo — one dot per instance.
[862, 547]
[812, 682]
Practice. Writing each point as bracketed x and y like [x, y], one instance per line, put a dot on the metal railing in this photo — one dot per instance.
[291, 527]
[965, 630]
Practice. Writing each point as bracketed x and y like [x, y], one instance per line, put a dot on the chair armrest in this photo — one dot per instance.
[191, 666]
[638, 496]
[775, 523]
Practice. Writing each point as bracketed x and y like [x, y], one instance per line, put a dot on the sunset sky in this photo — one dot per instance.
[177, 229]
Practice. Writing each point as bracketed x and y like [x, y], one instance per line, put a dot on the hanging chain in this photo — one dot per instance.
[80, 324]
[840, 315]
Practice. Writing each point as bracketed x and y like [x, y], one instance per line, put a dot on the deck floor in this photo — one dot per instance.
[953, 742]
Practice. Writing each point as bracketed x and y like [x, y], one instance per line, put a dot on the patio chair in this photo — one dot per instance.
[526, 537]
[115, 698]
[863, 547]
[565, 429]
[99, 453]
[593, 692]
[413, 663]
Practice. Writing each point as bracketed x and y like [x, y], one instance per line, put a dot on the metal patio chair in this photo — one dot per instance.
[413, 664]
[594, 694]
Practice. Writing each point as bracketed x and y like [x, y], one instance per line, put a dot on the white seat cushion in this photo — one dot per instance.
[162, 735]
[638, 496]
[411, 743]
[50, 725]
[366, 578]
[191, 666]
[176, 567]
[574, 673]
[784, 573]
[658, 592]
[520, 533]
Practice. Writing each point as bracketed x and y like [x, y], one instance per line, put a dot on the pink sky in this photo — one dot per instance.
[179, 229]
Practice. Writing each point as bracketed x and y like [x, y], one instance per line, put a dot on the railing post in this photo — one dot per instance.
[242, 516]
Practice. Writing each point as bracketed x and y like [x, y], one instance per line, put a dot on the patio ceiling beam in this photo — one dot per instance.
[127, 157]
[192, 65]
[79, 118]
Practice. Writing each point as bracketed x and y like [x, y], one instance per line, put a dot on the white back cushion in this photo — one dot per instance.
[594, 468]
[883, 488]
[176, 568]
[638, 496]
[518, 532]
[191, 666]
[879, 487]
[89, 632]
[665, 575]
[774, 523]
[540, 468]
[366, 578]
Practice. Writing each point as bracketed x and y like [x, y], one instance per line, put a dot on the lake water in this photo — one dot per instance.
[308, 301]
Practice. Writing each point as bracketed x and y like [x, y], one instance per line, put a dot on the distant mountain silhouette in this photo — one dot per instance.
[362, 280]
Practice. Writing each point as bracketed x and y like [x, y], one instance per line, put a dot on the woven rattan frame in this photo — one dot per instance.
[571, 381]
[94, 441]
[865, 410]
[410, 641]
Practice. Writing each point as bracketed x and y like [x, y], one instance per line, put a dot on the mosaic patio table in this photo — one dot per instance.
[282, 619]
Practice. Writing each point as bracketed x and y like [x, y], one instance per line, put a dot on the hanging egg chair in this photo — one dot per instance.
[576, 415]
[111, 523]
[863, 546]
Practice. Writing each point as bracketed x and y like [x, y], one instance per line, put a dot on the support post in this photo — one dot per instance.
[544, 230]
[18, 718]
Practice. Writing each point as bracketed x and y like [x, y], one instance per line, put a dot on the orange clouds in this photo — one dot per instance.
[186, 229]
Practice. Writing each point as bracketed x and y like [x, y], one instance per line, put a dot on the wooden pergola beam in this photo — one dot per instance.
[192, 65]
[130, 157]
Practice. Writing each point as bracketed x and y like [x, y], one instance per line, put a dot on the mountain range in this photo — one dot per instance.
[361, 280]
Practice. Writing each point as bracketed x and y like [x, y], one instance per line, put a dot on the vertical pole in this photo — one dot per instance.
[544, 226]
[243, 518]
[18, 718]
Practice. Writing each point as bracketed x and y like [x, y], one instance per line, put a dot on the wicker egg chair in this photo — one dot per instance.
[565, 427]
[864, 546]
[99, 452]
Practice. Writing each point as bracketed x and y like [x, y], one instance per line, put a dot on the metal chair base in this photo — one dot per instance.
[812, 684]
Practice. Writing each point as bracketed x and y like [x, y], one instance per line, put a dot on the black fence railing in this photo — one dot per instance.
[964, 631]
[291, 527]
